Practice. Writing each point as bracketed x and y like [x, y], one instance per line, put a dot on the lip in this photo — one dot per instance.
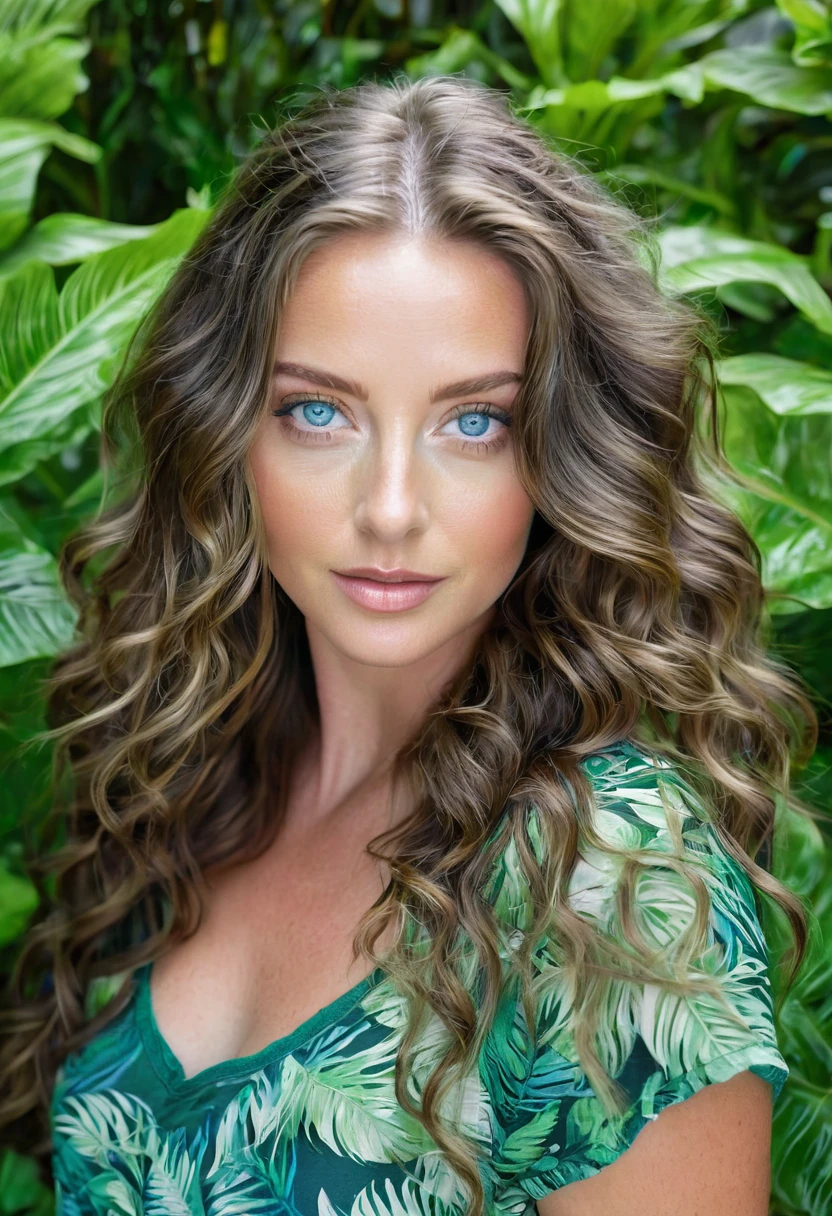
[385, 596]
[399, 575]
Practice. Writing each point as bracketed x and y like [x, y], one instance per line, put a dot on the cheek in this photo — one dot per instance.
[297, 511]
[491, 528]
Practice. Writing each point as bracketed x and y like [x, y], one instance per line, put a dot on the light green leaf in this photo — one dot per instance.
[347, 1097]
[18, 900]
[600, 94]
[63, 238]
[786, 501]
[800, 854]
[770, 77]
[55, 16]
[459, 50]
[813, 30]
[20, 458]
[532, 1140]
[40, 75]
[24, 145]
[592, 27]
[696, 257]
[538, 21]
[649, 174]
[58, 353]
[35, 618]
[785, 385]
[784, 456]
[795, 546]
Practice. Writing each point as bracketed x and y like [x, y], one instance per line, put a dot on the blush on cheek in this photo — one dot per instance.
[501, 527]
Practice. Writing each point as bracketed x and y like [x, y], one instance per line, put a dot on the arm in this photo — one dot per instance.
[706, 1156]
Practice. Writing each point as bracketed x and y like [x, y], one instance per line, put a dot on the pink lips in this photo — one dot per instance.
[385, 597]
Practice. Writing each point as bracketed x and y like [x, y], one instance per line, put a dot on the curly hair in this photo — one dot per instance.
[637, 610]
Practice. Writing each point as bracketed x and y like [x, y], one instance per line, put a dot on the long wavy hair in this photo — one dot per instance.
[637, 611]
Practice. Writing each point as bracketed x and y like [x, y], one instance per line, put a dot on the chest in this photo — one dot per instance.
[274, 947]
[307, 1125]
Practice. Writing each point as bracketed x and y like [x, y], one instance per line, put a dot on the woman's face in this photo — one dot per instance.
[387, 444]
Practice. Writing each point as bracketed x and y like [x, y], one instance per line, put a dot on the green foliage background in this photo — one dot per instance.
[119, 123]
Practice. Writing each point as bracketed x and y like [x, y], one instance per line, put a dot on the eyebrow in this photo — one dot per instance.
[460, 388]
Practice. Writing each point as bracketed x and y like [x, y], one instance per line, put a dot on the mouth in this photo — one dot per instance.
[385, 593]
[377, 575]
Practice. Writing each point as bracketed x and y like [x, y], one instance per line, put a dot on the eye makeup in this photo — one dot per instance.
[494, 442]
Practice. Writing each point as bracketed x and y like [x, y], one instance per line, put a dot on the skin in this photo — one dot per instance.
[394, 481]
[391, 479]
[707, 1156]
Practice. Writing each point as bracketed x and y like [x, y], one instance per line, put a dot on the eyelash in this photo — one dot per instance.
[490, 411]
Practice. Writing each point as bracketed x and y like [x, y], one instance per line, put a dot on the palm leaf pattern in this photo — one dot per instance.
[310, 1126]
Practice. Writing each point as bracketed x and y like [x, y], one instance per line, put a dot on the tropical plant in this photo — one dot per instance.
[119, 121]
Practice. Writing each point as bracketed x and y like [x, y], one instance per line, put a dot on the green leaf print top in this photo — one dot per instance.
[310, 1125]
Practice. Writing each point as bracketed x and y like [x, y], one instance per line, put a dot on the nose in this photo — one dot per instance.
[392, 487]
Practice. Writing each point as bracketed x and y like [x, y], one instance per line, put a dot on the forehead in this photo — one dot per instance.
[376, 294]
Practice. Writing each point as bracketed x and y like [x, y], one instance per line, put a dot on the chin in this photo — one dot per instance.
[393, 644]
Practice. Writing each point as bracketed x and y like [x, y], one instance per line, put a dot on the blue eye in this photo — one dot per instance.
[315, 411]
[474, 423]
[318, 412]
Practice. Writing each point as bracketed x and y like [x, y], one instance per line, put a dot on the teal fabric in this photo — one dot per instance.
[310, 1125]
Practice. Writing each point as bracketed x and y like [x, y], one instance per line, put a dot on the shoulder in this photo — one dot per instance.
[640, 796]
[648, 831]
[645, 809]
[652, 826]
[644, 818]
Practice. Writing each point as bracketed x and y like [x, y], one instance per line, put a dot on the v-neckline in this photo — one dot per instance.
[169, 1068]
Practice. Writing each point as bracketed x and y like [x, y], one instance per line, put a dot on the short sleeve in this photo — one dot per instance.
[662, 1047]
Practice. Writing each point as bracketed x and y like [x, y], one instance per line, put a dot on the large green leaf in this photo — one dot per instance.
[785, 385]
[686, 82]
[24, 146]
[53, 16]
[460, 49]
[20, 458]
[696, 257]
[786, 455]
[59, 349]
[592, 28]
[64, 238]
[778, 435]
[801, 855]
[771, 78]
[539, 23]
[813, 30]
[35, 616]
[795, 549]
[40, 75]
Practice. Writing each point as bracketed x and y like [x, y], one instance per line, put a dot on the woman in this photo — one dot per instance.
[421, 737]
